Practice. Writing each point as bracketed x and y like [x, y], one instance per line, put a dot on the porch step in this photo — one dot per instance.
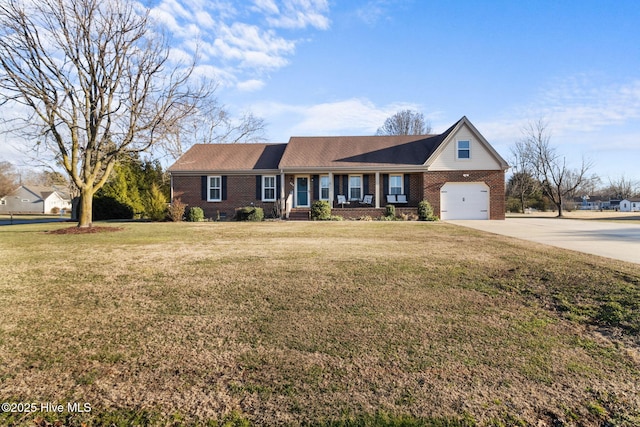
[299, 214]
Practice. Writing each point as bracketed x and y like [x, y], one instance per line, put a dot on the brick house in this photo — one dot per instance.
[458, 172]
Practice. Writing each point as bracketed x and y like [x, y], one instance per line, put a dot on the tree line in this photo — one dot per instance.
[542, 178]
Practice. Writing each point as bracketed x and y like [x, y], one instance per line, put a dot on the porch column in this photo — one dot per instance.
[331, 196]
[377, 190]
[283, 202]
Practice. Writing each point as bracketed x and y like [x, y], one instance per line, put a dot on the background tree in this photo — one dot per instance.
[95, 81]
[405, 122]
[134, 183]
[8, 178]
[557, 180]
[622, 188]
[211, 124]
[522, 185]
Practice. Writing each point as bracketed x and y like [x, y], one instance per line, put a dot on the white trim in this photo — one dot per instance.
[360, 187]
[328, 187]
[210, 187]
[264, 188]
[296, 203]
[464, 159]
[401, 176]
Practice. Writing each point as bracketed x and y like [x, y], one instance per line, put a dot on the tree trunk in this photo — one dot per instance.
[559, 205]
[86, 208]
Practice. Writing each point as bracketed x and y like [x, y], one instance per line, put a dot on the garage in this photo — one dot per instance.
[464, 200]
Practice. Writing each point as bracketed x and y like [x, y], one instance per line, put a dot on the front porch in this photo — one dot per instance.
[304, 214]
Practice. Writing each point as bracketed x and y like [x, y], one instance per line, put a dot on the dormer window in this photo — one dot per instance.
[464, 150]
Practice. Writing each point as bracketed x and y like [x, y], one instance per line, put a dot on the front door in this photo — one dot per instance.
[302, 191]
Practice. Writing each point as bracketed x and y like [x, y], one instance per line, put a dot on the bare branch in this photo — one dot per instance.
[96, 80]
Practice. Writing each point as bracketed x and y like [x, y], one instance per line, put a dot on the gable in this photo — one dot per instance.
[481, 155]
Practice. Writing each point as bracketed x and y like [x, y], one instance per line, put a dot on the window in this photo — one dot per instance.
[464, 149]
[25, 200]
[355, 187]
[324, 187]
[3, 202]
[215, 189]
[395, 184]
[269, 188]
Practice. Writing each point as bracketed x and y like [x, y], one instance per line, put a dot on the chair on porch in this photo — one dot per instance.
[342, 200]
[391, 198]
[401, 198]
[367, 200]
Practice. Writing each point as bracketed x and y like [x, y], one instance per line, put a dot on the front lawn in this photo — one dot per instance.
[341, 323]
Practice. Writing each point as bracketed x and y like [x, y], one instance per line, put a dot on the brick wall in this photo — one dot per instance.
[433, 182]
[241, 191]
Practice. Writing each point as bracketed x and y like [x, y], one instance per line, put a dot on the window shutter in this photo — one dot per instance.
[365, 184]
[203, 187]
[345, 185]
[407, 184]
[278, 187]
[224, 187]
[316, 187]
[258, 187]
[385, 184]
[336, 185]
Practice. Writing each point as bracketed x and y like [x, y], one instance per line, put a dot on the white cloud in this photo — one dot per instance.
[355, 116]
[266, 6]
[296, 14]
[250, 85]
[573, 107]
[244, 39]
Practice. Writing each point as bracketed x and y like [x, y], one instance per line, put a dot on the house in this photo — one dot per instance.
[630, 205]
[33, 199]
[458, 172]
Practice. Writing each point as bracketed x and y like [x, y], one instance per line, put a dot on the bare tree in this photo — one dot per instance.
[622, 188]
[405, 122]
[95, 80]
[8, 178]
[522, 183]
[557, 179]
[211, 124]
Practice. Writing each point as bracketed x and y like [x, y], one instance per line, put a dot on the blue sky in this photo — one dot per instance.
[328, 67]
[317, 67]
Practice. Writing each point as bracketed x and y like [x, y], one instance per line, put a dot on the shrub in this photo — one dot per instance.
[106, 207]
[55, 210]
[336, 218]
[390, 212]
[321, 210]
[249, 213]
[425, 211]
[155, 204]
[195, 214]
[176, 210]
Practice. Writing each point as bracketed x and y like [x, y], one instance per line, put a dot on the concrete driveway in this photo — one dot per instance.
[615, 240]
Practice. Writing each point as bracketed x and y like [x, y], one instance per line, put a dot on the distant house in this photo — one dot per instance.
[458, 172]
[630, 205]
[35, 200]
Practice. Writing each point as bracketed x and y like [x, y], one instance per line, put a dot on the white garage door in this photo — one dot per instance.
[464, 200]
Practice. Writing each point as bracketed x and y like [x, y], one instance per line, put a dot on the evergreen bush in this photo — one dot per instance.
[321, 210]
[425, 211]
[249, 213]
[196, 214]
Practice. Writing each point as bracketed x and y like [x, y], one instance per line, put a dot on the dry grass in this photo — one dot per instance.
[289, 323]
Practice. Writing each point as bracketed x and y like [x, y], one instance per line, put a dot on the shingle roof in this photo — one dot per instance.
[321, 153]
[229, 157]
